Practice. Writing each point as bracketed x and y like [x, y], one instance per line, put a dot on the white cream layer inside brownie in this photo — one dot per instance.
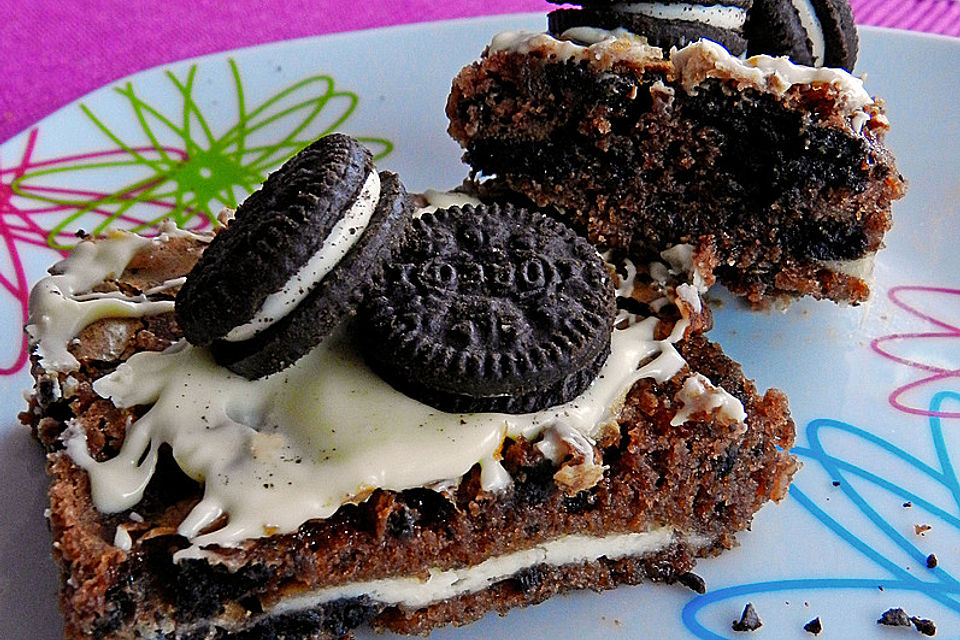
[440, 585]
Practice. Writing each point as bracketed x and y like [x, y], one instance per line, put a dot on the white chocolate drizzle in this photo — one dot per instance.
[704, 59]
[122, 539]
[294, 446]
[700, 396]
[328, 423]
[693, 64]
[63, 303]
[342, 237]
[580, 43]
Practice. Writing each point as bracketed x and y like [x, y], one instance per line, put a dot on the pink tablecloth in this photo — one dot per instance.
[54, 51]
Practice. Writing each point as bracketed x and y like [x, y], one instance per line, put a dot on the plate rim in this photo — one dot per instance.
[410, 26]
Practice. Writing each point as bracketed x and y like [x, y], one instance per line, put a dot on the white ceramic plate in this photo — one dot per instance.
[875, 390]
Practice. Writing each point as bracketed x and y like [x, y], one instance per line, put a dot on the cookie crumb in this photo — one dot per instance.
[932, 561]
[921, 529]
[749, 620]
[836, 483]
[924, 626]
[814, 626]
[894, 618]
[692, 581]
[907, 505]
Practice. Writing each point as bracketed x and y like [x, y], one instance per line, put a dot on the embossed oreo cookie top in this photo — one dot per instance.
[490, 309]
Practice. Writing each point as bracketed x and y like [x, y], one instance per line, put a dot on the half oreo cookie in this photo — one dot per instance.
[665, 24]
[296, 259]
[819, 33]
[490, 309]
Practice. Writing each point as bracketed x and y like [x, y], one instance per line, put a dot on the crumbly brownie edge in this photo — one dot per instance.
[781, 185]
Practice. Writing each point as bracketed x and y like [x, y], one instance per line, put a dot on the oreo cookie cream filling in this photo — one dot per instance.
[344, 235]
[296, 259]
[714, 15]
[812, 28]
[810, 32]
[665, 24]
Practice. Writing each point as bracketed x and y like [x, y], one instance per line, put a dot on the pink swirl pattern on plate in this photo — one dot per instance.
[203, 166]
[934, 308]
[21, 223]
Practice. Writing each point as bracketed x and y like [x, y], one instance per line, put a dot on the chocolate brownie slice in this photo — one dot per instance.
[691, 453]
[776, 173]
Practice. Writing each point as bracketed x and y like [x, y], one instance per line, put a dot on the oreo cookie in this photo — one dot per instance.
[490, 308]
[665, 24]
[295, 260]
[818, 33]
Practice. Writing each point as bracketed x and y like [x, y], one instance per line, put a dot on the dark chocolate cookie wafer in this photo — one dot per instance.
[664, 24]
[274, 233]
[331, 300]
[817, 33]
[490, 309]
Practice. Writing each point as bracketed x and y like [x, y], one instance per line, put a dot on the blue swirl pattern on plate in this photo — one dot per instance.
[942, 587]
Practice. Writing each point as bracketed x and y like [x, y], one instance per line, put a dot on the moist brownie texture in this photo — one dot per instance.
[776, 173]
[672, 478]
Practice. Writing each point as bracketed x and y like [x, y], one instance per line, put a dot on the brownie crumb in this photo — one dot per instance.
[907, 505]
[924, 626]
[692, 581]
[836, 483]
[894, 618]
[814, 626]
[932, 561]
[749, 620]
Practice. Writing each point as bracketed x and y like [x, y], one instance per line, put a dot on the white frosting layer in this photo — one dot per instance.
[719, 16]
[702, 60]
[443, 584]
[811, 25]
[328, 423]
[597, 44]
[693, 64]
[699, 396]
[62, 304]
[294, 446]
[342, 237]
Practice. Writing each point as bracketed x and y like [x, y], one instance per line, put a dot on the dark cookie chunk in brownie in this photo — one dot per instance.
[666, 24]
[273, 235]
[490, 309]
[818, 33]
[331, 300]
